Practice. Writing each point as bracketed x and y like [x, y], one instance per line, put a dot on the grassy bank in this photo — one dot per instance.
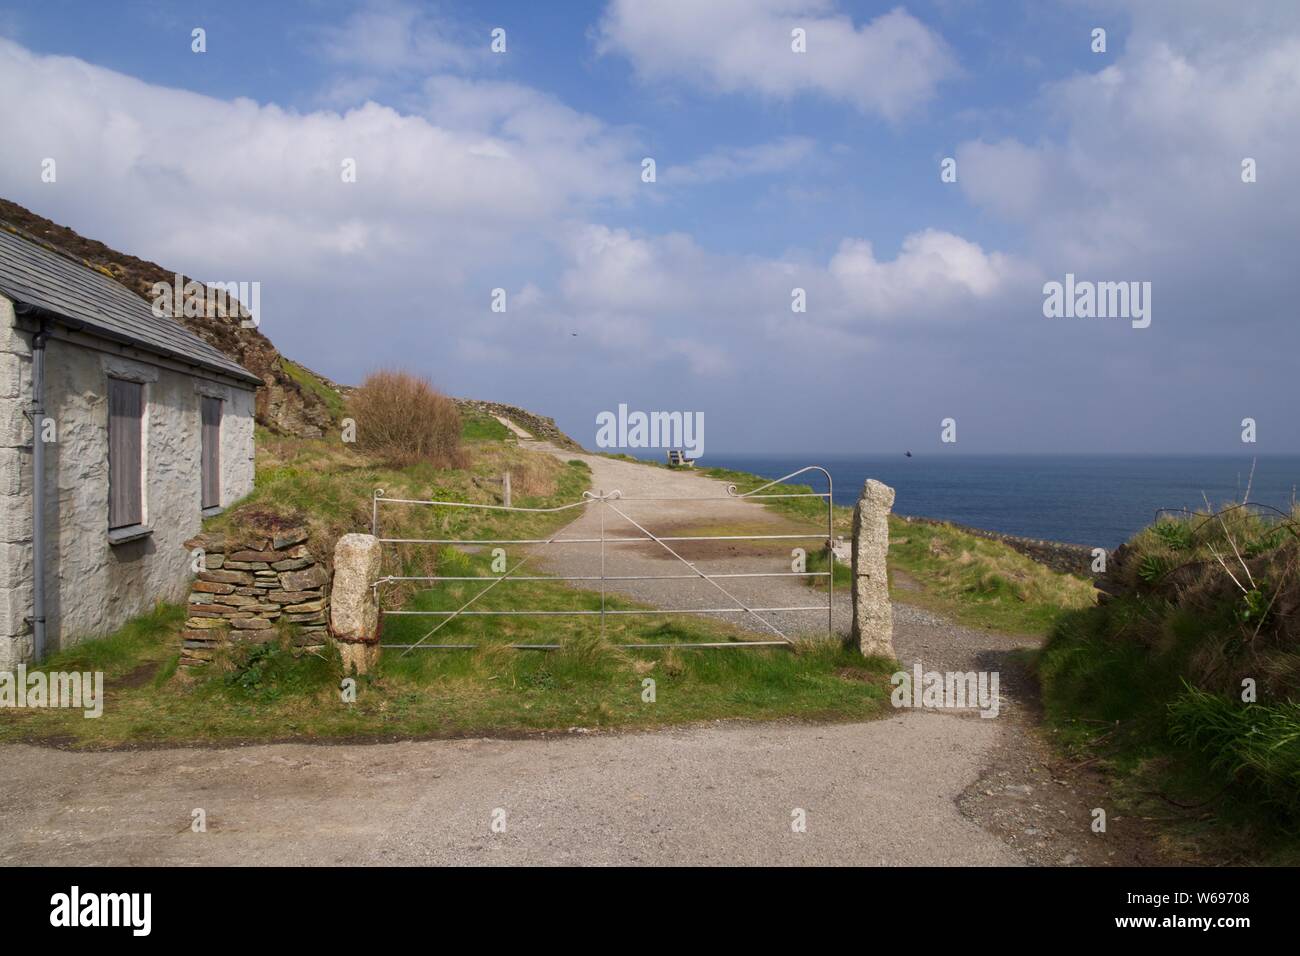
[328, 486]
[1156, 684]
[271, 692]
[976, 581]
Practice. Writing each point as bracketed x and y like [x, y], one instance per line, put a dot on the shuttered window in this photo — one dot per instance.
[211, 452]
[125, 441]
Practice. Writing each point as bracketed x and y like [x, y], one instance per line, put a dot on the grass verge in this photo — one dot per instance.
[270, 692]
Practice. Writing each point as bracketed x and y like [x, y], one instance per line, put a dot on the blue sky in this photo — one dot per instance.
[775, 170]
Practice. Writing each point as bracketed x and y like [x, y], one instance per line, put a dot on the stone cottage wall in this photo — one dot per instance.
[251, 584]
[15, 493]
[94, 586]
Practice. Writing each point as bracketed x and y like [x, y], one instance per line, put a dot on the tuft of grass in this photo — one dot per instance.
[817, 561]
[1256, 745]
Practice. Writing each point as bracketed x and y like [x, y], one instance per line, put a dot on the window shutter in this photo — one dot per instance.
[211, 452]
[125, 421]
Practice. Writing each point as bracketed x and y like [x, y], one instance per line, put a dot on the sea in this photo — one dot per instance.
[1097, 500]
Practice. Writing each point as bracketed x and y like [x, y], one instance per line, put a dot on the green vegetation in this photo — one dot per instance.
[477, 426]
[140, 642]
[1153, 681]
[981, 582]
[272, 691]
[328, 486]
[308, 381]
[816, 563]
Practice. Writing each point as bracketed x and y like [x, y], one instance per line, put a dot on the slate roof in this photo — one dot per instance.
[80, 297]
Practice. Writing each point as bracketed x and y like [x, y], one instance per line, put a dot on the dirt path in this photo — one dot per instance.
[917, 788]
[665, 502]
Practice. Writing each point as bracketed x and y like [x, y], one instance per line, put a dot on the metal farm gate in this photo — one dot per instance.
[608, 503]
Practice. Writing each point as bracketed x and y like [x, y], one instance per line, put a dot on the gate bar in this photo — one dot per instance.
[603, 499]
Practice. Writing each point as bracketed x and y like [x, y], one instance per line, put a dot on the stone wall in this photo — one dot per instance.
[1058, 555]
[93, 586]
[251, 584]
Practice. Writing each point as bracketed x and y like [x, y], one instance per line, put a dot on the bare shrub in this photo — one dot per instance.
[404, 420]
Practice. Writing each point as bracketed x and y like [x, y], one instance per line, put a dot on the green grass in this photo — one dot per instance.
[981, 582]
[477, 426]
[816, 562]
[268, 692]
[306, 380]
[126, 649]
[272, 691]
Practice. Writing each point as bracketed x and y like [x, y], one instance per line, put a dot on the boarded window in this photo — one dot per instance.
[125, 441]
[211, 452]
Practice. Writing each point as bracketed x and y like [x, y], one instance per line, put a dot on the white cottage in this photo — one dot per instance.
[119, 432]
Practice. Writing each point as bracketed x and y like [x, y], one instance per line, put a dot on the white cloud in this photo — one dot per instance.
[388, 36]
[265, 182]
[933, 272]
[887, 67]
[1146, 171]
[735, 162]
[681, 288]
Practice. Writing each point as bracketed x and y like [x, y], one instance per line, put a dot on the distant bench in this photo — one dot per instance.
[678, 459]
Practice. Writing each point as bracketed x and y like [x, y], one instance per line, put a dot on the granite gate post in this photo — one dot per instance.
[354, 612]
[873, 616]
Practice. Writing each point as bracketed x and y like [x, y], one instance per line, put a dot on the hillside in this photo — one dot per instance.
[293, 401]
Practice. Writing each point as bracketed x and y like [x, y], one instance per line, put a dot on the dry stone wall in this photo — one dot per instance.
[249, 585]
